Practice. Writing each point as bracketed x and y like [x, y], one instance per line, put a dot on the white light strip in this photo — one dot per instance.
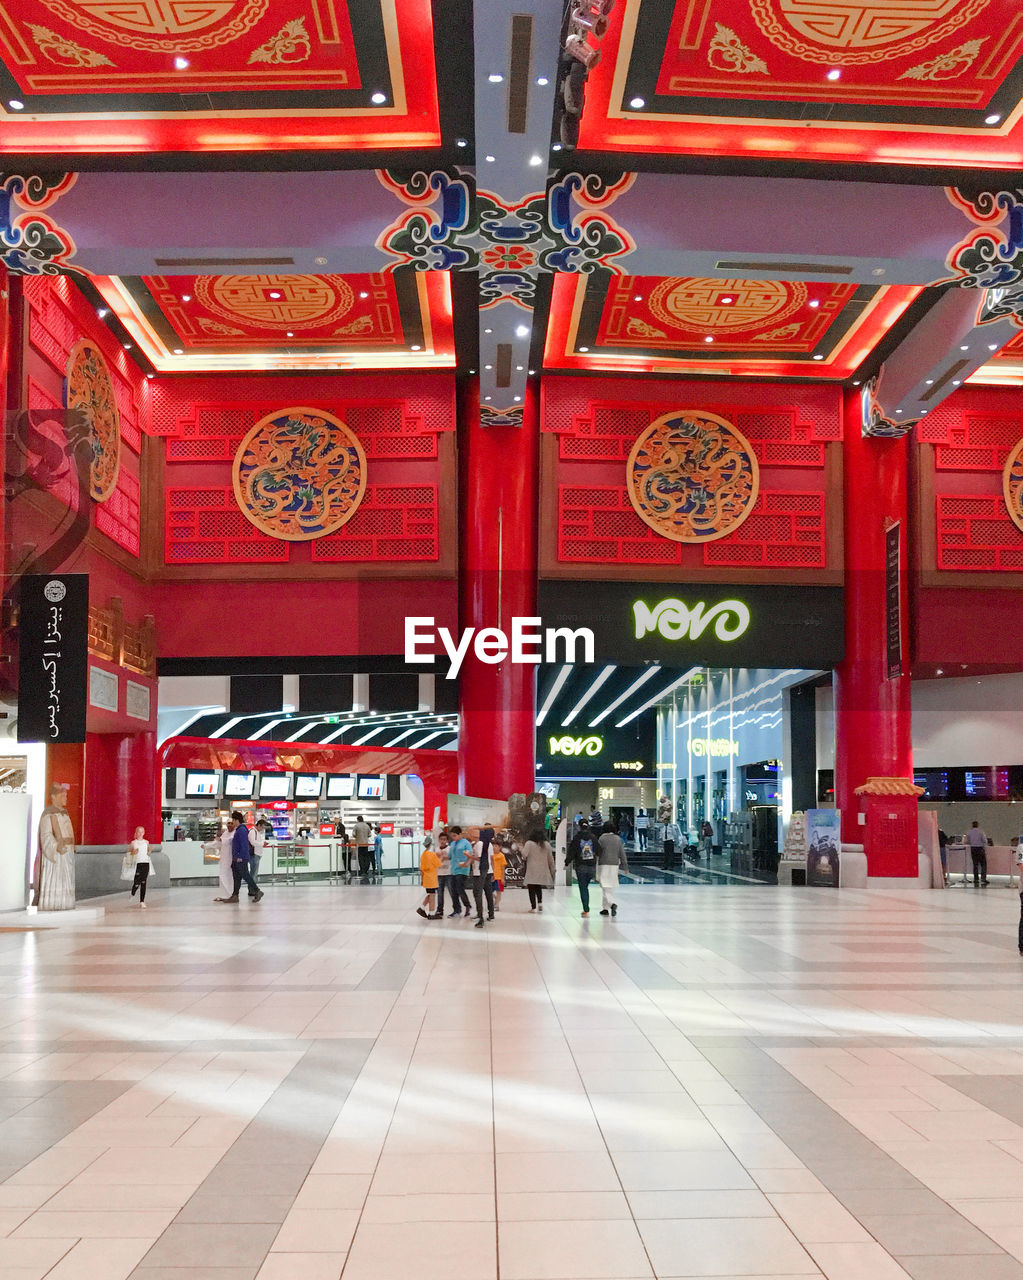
[366, 736]
[304, 728]
[402, 736]
[264, 729]
[336, 734]
[228, 724]
[650, 671]
[658, 696]
[589, 694]
[556, 687]
[429, 738]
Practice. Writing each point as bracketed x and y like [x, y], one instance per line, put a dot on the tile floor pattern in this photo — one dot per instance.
[723, 1082]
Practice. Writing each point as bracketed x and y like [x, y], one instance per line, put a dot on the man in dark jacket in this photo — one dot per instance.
[582, 857]
[241, 852]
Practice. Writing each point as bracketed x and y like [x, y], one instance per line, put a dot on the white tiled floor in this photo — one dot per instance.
[722, 1082]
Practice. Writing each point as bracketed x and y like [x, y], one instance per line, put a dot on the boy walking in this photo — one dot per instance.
[429, 864]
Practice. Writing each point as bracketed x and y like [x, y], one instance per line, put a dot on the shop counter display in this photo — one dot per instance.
[1001, 861]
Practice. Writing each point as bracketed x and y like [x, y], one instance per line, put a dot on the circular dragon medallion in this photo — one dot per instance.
[855, 32]
[1012, 485]
[696, 304]
[277, 302]
[299, 474]
[162, 26]
[89, 389]
[692, 476]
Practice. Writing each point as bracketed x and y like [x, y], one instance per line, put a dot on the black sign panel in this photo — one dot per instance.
[893, 598]
[53, 657]
[680, 624]
[600, 752]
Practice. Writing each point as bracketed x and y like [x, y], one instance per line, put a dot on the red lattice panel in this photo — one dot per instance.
[785, 530]
[608, 432]
[393, 522]
[118, 517]
[57, 320]
[978, 442]
[975, 532]
[204, 526]
[213, 432]
[597, 524]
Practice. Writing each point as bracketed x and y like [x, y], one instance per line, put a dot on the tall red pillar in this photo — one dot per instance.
[873, 716]
[119, 786]
[497, 704]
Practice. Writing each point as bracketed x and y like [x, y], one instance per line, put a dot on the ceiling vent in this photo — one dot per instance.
[224, 262]
[786, 268]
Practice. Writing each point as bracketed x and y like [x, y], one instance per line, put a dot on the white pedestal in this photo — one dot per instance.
[55, 919]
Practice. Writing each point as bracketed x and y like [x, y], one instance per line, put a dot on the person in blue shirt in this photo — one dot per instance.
[241, 852]
[460, 853]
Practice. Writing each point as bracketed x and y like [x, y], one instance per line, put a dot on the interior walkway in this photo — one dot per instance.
[723, 1082]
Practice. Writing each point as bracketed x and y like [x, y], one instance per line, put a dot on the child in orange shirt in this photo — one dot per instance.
[429, 861]
[498, 862]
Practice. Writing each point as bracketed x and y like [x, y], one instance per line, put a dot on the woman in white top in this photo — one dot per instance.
[226, 874]
[139, 851]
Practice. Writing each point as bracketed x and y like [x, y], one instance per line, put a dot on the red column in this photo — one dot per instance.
[119, 788]
[497, 704]
[873, 717]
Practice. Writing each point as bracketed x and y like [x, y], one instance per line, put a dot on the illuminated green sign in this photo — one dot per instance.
[569, 746]
[713, 747]
[677, 621]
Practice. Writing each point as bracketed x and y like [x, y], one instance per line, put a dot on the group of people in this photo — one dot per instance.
[241, 848]
[475, 862]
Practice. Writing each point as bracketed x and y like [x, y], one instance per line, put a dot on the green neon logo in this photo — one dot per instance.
[569, 746]
[677, 621]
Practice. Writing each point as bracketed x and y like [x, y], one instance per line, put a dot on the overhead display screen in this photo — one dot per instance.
[274, 786]
[371, 788]
[201, 783]
[239, 786]
[308, 786]
[340, 786]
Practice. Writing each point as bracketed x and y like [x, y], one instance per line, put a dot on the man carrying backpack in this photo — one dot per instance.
[582, 857]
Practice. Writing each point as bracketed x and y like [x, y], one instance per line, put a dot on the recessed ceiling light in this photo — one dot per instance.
[489, 159]
[364, 294]
[180, 63]
[584, 349]
[320, 262]
[149, 375]
[727, 301]
[535, 160]
[532, 373]
[378, 98]
[103, 312]
[815, 302]
[709, 338]
[275, 294]
[965, 347]
[16, 104]
[992, 346]
[472, 370]
[178, 351]
[291, 333]
[818, 357]
[930, 382]
[834, 74]
[488, 331]
[856, 383]
[186, 297]
[556, 146]
[416, 347]
[518, 397]
[488, 366]
[522, 331]
[637, 104]
[878, 271]
[542, 81]
[126, 345]
[898, 410]
[461, 142]
[992, 119]
[488, 397]
[519, 368]
[956, 382]
[495, 77]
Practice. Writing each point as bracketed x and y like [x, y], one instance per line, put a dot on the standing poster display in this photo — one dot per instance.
[823, 843]
[53, 656]
[893, 597]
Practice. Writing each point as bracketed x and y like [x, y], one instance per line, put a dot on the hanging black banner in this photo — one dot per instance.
[893, 597]
[53, 657]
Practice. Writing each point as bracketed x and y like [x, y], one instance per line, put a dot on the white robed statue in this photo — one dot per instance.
[55, 861]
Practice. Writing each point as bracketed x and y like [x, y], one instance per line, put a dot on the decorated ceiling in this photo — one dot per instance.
[294, 321]
[928, 82]
[693, 324]
[164, 75]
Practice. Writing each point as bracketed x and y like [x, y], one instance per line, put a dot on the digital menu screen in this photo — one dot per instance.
[201, 782]
[371, 787]
[340, 786]
[274, 786]
[979, 784]
[308, 786]
[238, 786]
[934, 783]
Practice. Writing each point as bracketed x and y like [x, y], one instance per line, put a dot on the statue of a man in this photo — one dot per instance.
[55, 861]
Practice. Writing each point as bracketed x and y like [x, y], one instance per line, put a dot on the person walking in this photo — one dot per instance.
[361, 835]
[642, 827]
[257, 843]
[481, 881]
[498, 862]
[376, 857]
[610, 857]
[225, 875]
[138, 850]
[539, 869]
[429, 862]
[582, 858]
[977, 841]
[460, 853]
[443, 872]
[241, 853]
